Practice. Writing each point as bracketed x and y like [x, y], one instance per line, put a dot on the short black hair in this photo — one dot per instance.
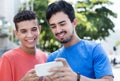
[23, 16]
[59, 6]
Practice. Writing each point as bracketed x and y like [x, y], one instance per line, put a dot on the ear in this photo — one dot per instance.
[16, 33]
[39, 27]
[75, 22]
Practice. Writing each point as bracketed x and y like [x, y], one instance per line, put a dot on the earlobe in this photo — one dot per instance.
[39, 27]
[16, 33]
[75, 22]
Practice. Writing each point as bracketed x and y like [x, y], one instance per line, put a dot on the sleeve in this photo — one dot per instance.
[102, 66]
[5, 69]
[45, 57]
[51, 57]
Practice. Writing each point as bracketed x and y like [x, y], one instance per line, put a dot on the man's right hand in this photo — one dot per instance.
[31, 76]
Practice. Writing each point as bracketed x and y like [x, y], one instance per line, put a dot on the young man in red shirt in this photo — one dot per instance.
[18, 64]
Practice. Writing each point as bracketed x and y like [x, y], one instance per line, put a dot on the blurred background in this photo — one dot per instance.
[98, 21]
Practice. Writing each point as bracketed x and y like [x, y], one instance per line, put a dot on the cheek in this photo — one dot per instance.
[38, 33]
[20, 36]
[53, 31]
[71, 29]
[35, 33]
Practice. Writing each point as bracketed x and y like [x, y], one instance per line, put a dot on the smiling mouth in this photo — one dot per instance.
[61, 34]
[31, 40]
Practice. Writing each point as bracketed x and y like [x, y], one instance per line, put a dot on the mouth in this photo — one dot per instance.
[61, 34]
[30, 41]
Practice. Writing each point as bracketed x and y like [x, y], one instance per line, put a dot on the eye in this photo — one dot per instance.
[52, 26]
[62, 23]
[34, 29]
[23, 31]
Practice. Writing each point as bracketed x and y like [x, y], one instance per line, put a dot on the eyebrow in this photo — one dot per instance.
[61, 22]
[58, 22]
[25, 29]
[22, 29]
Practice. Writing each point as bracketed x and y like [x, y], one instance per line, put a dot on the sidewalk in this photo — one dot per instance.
[116, 72]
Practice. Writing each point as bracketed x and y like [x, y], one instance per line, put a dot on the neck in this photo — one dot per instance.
[73, 41]
[29, 50]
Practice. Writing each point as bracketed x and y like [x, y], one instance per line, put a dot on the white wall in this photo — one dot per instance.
[2, 8]
[111, 41]
[8, 8]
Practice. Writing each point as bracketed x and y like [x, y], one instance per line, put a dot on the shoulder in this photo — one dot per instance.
[41, 53]
[91, 48]
[11, 52]
[95, 49]
[10, 55]
[54, 54]
[57, 51]
[90, 44]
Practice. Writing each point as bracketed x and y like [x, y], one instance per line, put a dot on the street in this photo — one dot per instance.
[116, 71]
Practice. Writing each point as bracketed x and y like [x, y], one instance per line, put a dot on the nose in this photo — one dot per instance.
[29, 34]
[58, 29]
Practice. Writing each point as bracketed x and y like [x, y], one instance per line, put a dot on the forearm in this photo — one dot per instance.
[105, 78]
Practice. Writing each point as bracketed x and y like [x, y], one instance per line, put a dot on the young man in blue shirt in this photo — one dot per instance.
[83, 60]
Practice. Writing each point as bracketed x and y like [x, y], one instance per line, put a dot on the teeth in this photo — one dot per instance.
[30, 40]
[61, 35]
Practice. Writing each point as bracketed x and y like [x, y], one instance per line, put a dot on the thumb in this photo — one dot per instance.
[31, 71]
[63, 61]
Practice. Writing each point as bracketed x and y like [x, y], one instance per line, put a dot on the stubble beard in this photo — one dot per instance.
[64, 41]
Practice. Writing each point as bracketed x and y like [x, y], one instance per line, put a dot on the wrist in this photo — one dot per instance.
[78, 76]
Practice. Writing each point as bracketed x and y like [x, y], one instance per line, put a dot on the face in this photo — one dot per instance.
[27, 33]
[62, 27]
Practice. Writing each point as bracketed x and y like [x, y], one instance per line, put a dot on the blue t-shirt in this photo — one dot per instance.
[85, 57]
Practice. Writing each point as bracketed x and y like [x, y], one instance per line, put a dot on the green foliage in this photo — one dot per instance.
[47, 41]
[117, 43]
[94, 19]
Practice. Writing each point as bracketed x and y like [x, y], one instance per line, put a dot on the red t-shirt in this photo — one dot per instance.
[15, 63]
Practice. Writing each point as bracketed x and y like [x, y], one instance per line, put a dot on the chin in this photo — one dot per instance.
[31, 47]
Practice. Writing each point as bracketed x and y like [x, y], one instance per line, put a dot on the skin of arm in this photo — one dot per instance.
[31, 76]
